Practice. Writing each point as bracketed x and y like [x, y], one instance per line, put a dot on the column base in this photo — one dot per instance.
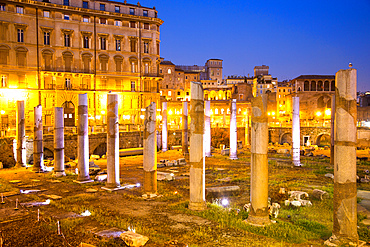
[233, 157]
[260, 221]
[208, 154]
[19, 165]
[59, 174]
[164, 150]
[150, 182]
[297, 163]
[197, 206]
[109, 188]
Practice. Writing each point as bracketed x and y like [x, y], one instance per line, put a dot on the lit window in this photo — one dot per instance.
[3, 81]
[19, 10]
[2, 7]
[47, 14]
[169, 71]
[85, 19]
[20, 35]
[46, 38]
[145, 12]
[66, 17]
[67, 83]
[116, 9]
[103, 43]
[118, 44]
[169, 93]
[118, 23]
[132, 86]
[67, 40]
[146, 47]
[86, 41]
[102, 7]
[85, 5]
[132, 11]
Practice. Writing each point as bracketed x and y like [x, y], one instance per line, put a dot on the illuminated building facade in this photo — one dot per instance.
[51, 51]
[263, 82]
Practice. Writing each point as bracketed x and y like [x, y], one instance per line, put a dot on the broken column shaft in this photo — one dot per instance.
[150, 150]
[185, 147]
[246, 134]
[296, 133]
[21, 135]
[38, 147]
[112, 142]
[345, 193]
[207, 129]
[259, 214]
[59, 142]
[164, 126]
[196, 159]
[83, 139]
[233, 131]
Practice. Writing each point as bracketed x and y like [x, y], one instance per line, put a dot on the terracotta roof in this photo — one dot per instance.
[310, 77]
[167, 63]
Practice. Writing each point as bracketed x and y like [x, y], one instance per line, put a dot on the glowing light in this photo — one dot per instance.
[318, 113]
[2, 112]
[328, 112]
[175, 192]
[159, 117]
[138, 185]
[225, 202]
[86, 213]
[102, 112]
[98, 117]
[273, 113]
[142, 116]
[269, 113]
[170, 112]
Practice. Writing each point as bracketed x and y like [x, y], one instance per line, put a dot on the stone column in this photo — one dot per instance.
[59, 142]
[233, 131]
[38, 147]
[296, 133]
[246, 133]
[21, 135]
[207, 129]
[83, 140]
[185, 147]
[345, 193]
[112, 142]
[332, 134]
[150, 150]
[259, 214]
[164, 127]
[196, 158]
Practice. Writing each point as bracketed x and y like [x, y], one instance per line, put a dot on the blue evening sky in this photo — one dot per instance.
[292, 37]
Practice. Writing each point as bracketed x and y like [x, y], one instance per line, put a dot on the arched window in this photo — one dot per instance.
[4, 54]
[313, 86]
[146, 64]
[118, 61]
[326, 86]
[332, 86]
[21, 53]
[133, 64]
[68, 58]
[103, 58]
[86, 61]
[306, 86]
[47, 55]
[320, 86]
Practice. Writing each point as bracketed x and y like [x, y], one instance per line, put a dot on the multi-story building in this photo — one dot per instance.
[283, 101]
[53, 50]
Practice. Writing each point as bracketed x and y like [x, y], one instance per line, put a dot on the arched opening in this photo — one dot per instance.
[326, 86]
[320, 102]
[313, 86]
[69, 114]
[323, 140]
[306, 86]
[101, 149]
[320, 86]
[332, 86]
[286, 138]
[48, 59]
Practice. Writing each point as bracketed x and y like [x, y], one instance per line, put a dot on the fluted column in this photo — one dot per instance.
[185, 147]
[21, 135]
[38, 147]
[83, 139]
[59, 142]
[150, 150]
[112, 142]
[296, 133]
[196, 158]
[259, 214]
[233, 131]
[164, 126]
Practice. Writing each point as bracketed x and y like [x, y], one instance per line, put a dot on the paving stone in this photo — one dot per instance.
[363, 194]
[134, 239]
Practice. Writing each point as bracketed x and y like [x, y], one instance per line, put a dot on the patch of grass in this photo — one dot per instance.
[5, 186]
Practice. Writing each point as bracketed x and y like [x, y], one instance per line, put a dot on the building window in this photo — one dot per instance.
[66, 2]
[86, 41]
[145, 12]
[67, 40]
[86, 59]
[132, 86]
[133, 45]
[46, 38]
[169, 93]
[146, 47]
[103, 21]
[118, 45]
[103, 43]
[68, 58]
[118, 23]
[102, 7]
[85, 5]
[132, 11]
[133, 66]
[4, 81]
[2, 7]
[21, 56]
[157, 48]
[116, 9]
[19, 10]
[85, 19]
[47, 14]
[169, 71]
[118, 60]
[66, 17]
[68, 85]
[146, 26]
[132, 24]
[20, 35]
